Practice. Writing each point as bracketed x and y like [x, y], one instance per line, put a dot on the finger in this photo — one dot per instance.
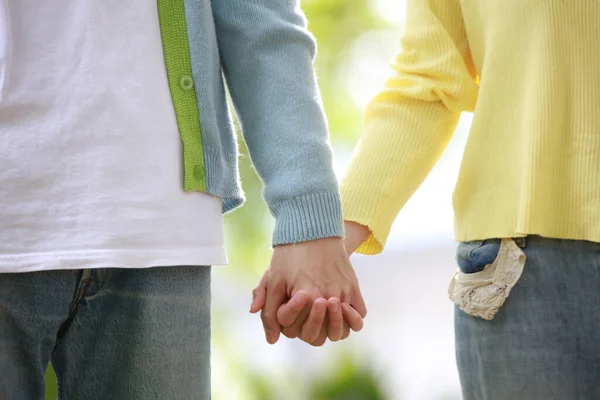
[314, 323]
[290, 311]
[322, 338]
[275, 297]
[346, 331]
[352, 317]
[293, 331]
[358, 303]
[336, 320]
[259, 295]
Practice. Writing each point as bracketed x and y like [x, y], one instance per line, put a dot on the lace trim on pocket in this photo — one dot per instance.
[483, 293]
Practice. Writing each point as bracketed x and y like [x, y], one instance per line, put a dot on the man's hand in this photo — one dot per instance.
[305, 283]
[341, 317]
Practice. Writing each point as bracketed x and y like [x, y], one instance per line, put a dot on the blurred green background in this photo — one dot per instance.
[404, 352]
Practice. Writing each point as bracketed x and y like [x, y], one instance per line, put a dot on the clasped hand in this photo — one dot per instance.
[310, 290]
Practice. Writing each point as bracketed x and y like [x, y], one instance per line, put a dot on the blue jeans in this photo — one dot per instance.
[544, 343]
[111, 334]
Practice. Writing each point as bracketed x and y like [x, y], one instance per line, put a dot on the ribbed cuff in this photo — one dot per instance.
[306, 218]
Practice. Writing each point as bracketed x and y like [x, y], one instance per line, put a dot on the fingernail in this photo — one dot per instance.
[269, 336]
[333, 305]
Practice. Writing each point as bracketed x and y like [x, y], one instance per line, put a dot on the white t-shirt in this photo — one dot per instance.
[90, 153]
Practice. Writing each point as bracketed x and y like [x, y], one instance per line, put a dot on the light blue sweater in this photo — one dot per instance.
[265, 53]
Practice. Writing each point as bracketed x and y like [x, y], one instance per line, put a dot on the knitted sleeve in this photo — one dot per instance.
[267, 55]
[410, 122]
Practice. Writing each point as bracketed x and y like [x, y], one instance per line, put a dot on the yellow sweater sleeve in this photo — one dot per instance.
[410, 122]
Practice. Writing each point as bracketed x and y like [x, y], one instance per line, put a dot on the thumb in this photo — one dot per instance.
[259, 295]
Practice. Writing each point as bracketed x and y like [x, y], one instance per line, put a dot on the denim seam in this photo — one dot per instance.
[84, 282]
[82, 287]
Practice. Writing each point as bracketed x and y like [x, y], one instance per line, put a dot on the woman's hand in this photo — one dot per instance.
[356, 235]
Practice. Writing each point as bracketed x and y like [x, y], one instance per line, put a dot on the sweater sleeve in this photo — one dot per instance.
[410, 122]
[267, 55]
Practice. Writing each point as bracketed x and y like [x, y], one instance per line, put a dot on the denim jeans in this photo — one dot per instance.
[544, 342]
[111, 334]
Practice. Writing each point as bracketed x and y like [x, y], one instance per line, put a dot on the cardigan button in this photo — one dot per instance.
[200, 172]
[186, 82]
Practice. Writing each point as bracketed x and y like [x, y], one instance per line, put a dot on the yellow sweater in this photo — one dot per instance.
[530, 71]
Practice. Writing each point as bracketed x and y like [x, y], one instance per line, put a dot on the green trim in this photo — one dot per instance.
[179, 71]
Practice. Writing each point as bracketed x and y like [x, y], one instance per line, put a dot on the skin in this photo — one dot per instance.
[310, 290]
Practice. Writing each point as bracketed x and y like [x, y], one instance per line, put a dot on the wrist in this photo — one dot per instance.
[356, 234]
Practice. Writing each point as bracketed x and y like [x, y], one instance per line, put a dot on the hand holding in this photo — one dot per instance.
[305, 283]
